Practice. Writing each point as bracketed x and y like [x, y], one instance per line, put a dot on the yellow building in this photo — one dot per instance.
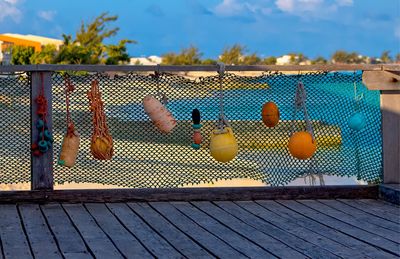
[8, 40]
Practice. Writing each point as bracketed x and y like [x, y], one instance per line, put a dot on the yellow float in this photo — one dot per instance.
[270, 114]
[223, 145]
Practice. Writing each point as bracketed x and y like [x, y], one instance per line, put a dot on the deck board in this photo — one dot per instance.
[174, 236]
[207, 240]
[374, 210]
[97, 241]
[371, 228]
[244, 245]
[201, 229]
[358, 214]
[269, 243]
[13, 239]
[159, 247]
[70, 242]
[330, 232]
[290, 240]
[39, 235]
[128, 245]
[290, 226]
[346, 228]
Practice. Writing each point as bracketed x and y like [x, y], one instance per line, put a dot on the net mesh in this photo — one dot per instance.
[143, 157]
[15, 159]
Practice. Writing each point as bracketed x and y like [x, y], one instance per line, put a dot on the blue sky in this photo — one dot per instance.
[267, 27]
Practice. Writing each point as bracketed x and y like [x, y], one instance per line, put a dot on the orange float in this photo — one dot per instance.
[302, 145]
[270, 114]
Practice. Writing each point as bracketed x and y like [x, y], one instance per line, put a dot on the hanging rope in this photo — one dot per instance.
[300, 104]
[102, 143]
[222, 121]
[69, 88]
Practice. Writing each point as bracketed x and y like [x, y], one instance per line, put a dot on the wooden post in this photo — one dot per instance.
[388, 82]
[41, 166]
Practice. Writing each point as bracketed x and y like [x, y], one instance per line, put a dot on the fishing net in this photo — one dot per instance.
[144, 157]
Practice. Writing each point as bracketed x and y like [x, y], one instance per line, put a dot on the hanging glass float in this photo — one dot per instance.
[270, 114]
[197, 138]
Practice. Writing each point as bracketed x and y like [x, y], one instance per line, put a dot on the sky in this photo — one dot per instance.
[265, 27]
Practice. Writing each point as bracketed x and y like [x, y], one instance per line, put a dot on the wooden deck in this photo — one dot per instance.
[202, 229]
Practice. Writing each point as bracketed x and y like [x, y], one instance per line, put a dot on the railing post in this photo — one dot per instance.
[41, 166]
[388, 82]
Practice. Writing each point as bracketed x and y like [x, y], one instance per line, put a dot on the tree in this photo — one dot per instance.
[252, 59]
[117, 53]
[46, 56]
[342, 56]
[319, 61]
[187, 56]
[398, 58]
[88, 46]
[235, 55]
[209, 61]
[20, 55]
[269, 60]
[232, 55]
[385, 57]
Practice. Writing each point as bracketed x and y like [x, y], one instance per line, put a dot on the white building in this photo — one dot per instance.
[148, 61]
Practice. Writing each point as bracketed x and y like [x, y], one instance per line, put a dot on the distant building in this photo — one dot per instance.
[284, 60]
[149, 61]
[8, 40]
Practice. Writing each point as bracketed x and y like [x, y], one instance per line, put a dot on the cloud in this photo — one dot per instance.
[312, 8]
[9, 8]
[198, 8]
[236, 8]
[155, 10]
[47, 15]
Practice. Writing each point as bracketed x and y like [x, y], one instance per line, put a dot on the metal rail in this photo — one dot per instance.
[207, 68]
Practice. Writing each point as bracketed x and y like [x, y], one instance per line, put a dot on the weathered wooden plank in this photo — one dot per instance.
[128, 68]
[301, 245]
[211, 243]
[40, 238]
[331, 233]
[68, 238]
[290, 226]
[129, 246]
[381, 80]
[377, 204]
[390, 193]
[361, 216]
[193, 194]
[242, 244]
[41, 166]
[98, 243]
[272, 245]
[390, 108]
[360, 234]
[372, 210]
[149, 238]
[339, 215]
[179, 240]
[14, 241]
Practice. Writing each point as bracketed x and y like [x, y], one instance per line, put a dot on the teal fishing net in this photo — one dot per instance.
[143, 157]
